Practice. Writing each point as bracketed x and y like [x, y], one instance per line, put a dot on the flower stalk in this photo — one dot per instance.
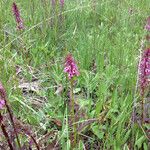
[36, 144]
[3, 96]
[5, 132]
[144, 77]
[73, 113]
[17, 16]
[72, 70]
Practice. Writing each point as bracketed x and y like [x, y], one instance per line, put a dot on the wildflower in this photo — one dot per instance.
[62, 3]
[17, 16]
[71, 67]
[147, 26]
[144, 70]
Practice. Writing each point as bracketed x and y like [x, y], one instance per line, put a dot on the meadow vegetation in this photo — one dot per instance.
[105, 39]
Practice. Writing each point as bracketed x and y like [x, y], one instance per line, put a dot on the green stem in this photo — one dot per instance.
[143, 110]
[36, 144]
[13, 124]
[5, 133]
[73, 114]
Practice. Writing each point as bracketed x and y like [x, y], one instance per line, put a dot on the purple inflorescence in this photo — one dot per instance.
[147, 26]
[62, 2]
[71, 67]
[144, 70]
[17, 16]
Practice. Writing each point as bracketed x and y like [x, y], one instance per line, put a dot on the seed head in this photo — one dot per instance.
[17, 16]
[144, 71]
[70, 67]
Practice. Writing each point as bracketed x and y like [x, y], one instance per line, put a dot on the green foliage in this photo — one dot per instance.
[104, 42]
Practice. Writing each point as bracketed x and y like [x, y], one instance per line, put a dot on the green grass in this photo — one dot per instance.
[105, 44]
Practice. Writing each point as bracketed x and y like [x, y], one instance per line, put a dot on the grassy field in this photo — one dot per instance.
[104, 37]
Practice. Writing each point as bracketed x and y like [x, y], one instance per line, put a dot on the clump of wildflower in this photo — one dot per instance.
[144, 71]
[147, 26]
[71, 67]
[17, 16]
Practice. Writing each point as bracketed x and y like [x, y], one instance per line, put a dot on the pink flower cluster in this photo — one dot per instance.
[17, 16]
[62, 2]
[147, 26]
[144, 74]
[71, 67]
[2, 96]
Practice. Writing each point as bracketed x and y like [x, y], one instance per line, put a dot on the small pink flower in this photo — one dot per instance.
[71, 67]
[144, 74]
[17, 16]
[147, 26]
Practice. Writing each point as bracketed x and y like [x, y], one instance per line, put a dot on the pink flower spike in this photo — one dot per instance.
[62, 2]
[144, 71]
[70, 67]
[147, 26]
[17, 16]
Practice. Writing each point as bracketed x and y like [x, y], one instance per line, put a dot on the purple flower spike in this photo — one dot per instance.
[147, 26]
[62, 2]
[144, 71]
[17, 16]
[71, 67]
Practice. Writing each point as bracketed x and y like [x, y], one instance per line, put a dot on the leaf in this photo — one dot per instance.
[84, 102]
[126, 136]
[76, 90]
[145, 146]
[86, 123]
[140, 141]
[81, 145]
[98, 132]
